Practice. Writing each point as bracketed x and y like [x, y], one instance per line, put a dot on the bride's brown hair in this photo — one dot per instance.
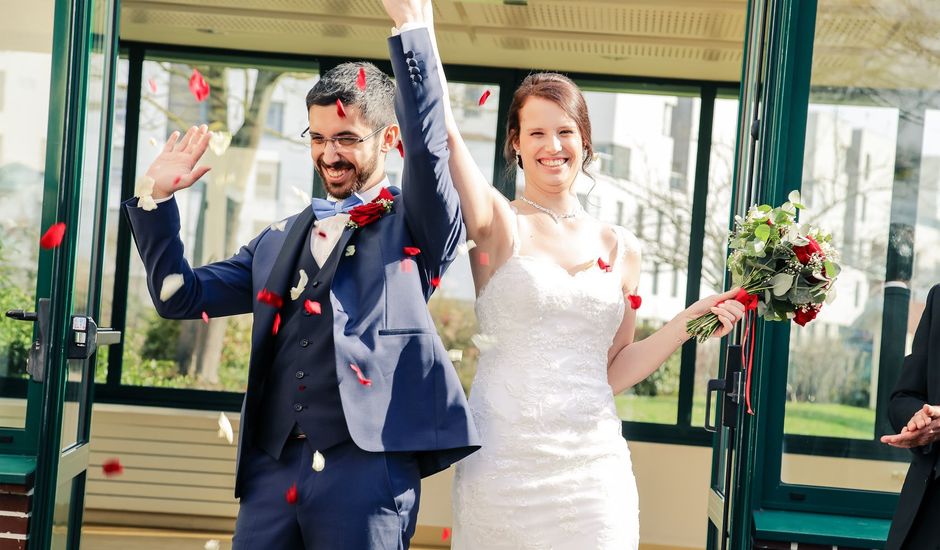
[563, 92]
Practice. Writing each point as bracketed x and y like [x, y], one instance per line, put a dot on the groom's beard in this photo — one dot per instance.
[360, 175]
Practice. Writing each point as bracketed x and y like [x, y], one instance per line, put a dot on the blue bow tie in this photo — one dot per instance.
[323, 208]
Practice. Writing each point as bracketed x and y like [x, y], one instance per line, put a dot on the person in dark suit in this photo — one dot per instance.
[915, 414]
[351, 398]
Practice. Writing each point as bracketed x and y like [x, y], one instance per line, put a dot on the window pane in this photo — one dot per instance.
[870, 130]
[715, 247]
[646, 146]
[452, 305]
[257, 178]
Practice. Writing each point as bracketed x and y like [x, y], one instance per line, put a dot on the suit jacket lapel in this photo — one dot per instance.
[282, 274]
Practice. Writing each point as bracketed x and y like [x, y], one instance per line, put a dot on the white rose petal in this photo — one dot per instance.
[466, 247]
[350, 250]
[147, 203]
[303, 196]
[143, 186]
[212, 545]
[318, 462]
[171, 284]
[296, 291]
[219, 142]
[483, 342]
[455, 355]
[225, 428]
[153, 142]
[279, 226]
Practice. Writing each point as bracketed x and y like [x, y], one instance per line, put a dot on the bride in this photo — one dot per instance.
[554, 470]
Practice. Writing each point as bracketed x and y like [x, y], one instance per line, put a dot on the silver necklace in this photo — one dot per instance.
[555, 215]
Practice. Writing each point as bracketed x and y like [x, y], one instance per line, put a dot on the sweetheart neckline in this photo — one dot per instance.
[556, 265]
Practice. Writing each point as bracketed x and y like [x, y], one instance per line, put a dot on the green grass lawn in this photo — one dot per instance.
[823, 419]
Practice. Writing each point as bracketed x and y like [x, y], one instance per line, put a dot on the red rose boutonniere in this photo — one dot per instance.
[364, 214]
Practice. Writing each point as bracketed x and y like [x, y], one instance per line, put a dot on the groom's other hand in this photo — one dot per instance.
[923, 429]
[403, 12]
[175, 168]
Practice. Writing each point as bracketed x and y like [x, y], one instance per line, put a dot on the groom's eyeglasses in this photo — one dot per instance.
[339, 142]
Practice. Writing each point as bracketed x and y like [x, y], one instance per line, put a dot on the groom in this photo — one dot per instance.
[351, 399]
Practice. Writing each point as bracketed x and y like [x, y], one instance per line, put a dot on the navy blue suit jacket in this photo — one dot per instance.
[381, 320]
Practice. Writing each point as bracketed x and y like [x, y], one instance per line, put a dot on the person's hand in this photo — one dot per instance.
[728, 310]
[408, 11]
[175, 168]
[919, 437]
[923, 417]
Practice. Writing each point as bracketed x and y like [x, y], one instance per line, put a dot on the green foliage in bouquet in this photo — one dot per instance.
[786, 269]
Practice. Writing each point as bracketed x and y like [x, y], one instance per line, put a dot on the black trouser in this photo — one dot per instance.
[925, 531]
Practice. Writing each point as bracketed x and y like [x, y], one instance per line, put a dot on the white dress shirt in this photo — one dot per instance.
[325, 233]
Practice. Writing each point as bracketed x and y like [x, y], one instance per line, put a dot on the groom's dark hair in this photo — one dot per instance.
[376, 102]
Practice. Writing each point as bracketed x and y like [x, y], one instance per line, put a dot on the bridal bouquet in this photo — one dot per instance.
[786, 270]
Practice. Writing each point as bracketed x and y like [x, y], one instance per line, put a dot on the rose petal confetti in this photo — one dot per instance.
[265, 296]
[635, 301]
[53, 236]
[212, 544]
[361, 79]
[146, 203]
[153, 85]
[176, 180]
[483, 342]
[604, 265]
[225, 428]
[445, 533]
[411, 250]
[301, 387]
[313, 308]
[436, 282]
[296, 291]
[465, 247]
[302, 195]
[484, 258]
[350, 250]
[291, 495]
[171, 283]
[362, 379]
[219, 142]
[277, 324]
[153, 142]
[318, 461]
[401, 149]
[143, 186]
[198, 86]
[484, 97]
[321, 234]
[405, 265]
[455, 355]
[205, 317]
[340, 110]
[112, 467]
[279, 226]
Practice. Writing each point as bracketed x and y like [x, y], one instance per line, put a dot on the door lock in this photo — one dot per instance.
[85, 337]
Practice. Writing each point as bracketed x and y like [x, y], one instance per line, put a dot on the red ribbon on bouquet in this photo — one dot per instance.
[747, 352]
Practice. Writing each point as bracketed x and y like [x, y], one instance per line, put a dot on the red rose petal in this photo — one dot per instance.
[604, 266]
[436, 282]
[401, 149]
[112, 467]
[313, 308]
[484, 97]
[635, 301]
[301, 387]
[321, 234]
[445, 533]
[291, 495]
[340, 110]
[361, 79]
[265, 296]
[484, 258]
[362, 379]
[176, 181]
[153, 85]
[277, 324]
[53, 236]
[405, 266]
[198, 86]
[411, 250]
[385, 195]
[205, 317]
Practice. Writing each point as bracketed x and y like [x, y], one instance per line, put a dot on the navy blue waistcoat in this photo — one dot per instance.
[301, 387]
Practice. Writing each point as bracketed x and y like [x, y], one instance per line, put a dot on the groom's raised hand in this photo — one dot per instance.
[175, 167]
[409, 11]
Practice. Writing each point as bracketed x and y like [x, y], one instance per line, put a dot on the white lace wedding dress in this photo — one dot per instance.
[554, 471]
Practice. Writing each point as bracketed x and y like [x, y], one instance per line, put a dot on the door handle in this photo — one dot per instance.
[36, 362]
[85, 337]
[730, 385]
